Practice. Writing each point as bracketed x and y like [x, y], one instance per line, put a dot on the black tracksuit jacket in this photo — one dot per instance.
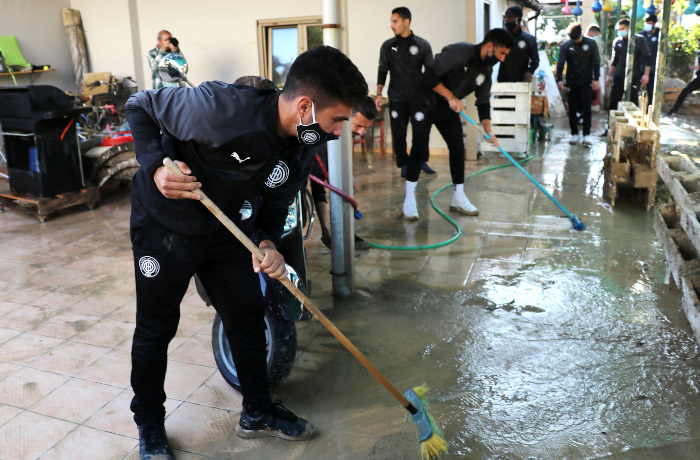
[652, 39]
[460, 68]
[227, 135]
[523, 58]
[641, 56]
[404, 57]
[582, 62]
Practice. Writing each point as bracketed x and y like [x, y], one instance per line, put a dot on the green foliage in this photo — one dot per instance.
[682, 51]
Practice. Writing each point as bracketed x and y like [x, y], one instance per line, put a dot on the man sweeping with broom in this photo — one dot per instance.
[233, 141]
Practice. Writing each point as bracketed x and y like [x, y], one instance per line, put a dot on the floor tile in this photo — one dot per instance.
[27, 347]
[7, 369]
[196, 350]
[26, 317]
[99, 304]
[503, 248]
[57, 300]
[65, 325]
[87, 442]
[76, 400]
[215, 427]
[106, 333]
[183, 379]
[27, 386]
[7, 413]
[127, 312]
[114, 368]
[217, 392]
[19, 440]
[7, 334]
[69, 358]
[6, 307]
[193, 318]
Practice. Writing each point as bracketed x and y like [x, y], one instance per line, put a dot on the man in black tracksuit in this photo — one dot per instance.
[459, 70]
[580, 54]
[618, 67]
[234, 141]
[404, 57]
[523, 59]
[651, 34]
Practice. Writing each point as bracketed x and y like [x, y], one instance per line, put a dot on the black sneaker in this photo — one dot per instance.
[153, 442]
[427, 169]
[360, 243]
[278, 423]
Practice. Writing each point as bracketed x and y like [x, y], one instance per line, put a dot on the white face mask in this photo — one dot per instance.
[648, 27]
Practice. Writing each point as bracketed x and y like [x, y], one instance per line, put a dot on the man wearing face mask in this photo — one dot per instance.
[233, 141]
[580, 54]
[523, 59]
[651, 35]
[459, 70]
[619, 65]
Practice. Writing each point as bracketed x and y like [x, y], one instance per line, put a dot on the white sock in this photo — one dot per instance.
[411, 188]
[459, 189]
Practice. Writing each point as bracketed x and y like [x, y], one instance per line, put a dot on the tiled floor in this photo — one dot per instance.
[67, 307]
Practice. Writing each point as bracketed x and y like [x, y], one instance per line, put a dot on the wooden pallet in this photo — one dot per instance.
[42, 207]
[633, 147]
[510, 117]
[682, 177]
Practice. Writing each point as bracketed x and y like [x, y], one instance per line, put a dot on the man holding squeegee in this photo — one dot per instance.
[459, 70]
[233, 141]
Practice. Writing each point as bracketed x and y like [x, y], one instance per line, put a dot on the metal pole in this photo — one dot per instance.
[605, 33]
[340, 171]
[629, 70]
[619, 10]
[661, 64]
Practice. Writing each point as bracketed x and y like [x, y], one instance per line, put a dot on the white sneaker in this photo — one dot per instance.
[460, 203]
[410, 210]
[574, 139]
[587, 141]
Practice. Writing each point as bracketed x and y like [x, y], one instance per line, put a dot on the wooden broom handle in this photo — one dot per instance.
[243, 238]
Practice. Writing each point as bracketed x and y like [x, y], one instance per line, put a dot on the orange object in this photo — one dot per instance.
[66, 130]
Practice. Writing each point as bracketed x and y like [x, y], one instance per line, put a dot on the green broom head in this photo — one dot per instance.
[432, 443]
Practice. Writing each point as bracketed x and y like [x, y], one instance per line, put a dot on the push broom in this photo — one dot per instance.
[575, 220]
[432, 443]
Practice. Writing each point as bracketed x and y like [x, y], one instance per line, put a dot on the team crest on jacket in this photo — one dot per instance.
[480, 79]
[149, 266]
[653, 39]
[413, 50]
[394, 114]
[585, 47]
[522, 44]
[419, 116]
[279, 175]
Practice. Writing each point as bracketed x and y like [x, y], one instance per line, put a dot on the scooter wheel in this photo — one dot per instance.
[281, 341]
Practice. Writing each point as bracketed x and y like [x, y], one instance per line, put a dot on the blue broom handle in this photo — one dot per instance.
[517, 165]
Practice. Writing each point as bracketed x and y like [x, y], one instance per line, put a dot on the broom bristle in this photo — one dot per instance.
[435, 446]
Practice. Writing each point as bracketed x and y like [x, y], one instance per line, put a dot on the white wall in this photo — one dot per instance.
[42, 40]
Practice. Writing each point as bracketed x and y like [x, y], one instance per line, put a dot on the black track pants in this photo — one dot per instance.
[164, 264]
[449, 125]
[617, 91]
[694, 85]
[399, 115]
[580, 100]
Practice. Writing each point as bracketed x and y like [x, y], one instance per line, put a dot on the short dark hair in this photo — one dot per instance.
[499, 37]
[403, 12]
[652, 18]
[623, 22]
[574, 26]
[367, 109]
[515, 11]
[327, 76]
[592, 27]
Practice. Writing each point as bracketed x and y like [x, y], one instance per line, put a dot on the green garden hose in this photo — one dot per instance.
[440, 211]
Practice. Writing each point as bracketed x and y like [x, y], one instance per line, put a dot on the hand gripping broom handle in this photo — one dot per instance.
[297, 293]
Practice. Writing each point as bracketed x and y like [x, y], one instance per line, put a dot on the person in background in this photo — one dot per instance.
[459, 70]
[523, 59]
[580, 54]
[651, 34]
[361, 119]
[403, 57]
[165, 44]
[593, 31]
[619, 65]
[694, 85]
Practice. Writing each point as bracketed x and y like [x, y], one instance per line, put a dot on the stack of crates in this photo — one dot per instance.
[510, 117]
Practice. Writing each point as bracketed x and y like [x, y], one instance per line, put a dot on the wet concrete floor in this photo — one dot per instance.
[538, 342]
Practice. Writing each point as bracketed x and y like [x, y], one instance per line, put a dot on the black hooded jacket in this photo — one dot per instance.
[460, 68]
[523, 58]
[227, 135]
[619, 54]
[582, 61]
[404, 58]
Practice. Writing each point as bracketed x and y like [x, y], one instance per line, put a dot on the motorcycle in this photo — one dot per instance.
[282, 309]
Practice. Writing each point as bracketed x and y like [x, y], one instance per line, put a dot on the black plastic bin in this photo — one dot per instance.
[41, 144]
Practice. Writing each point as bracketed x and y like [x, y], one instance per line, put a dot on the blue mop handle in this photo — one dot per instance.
[517, 165]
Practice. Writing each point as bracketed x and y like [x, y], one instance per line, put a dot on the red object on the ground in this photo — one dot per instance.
[118, 138]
